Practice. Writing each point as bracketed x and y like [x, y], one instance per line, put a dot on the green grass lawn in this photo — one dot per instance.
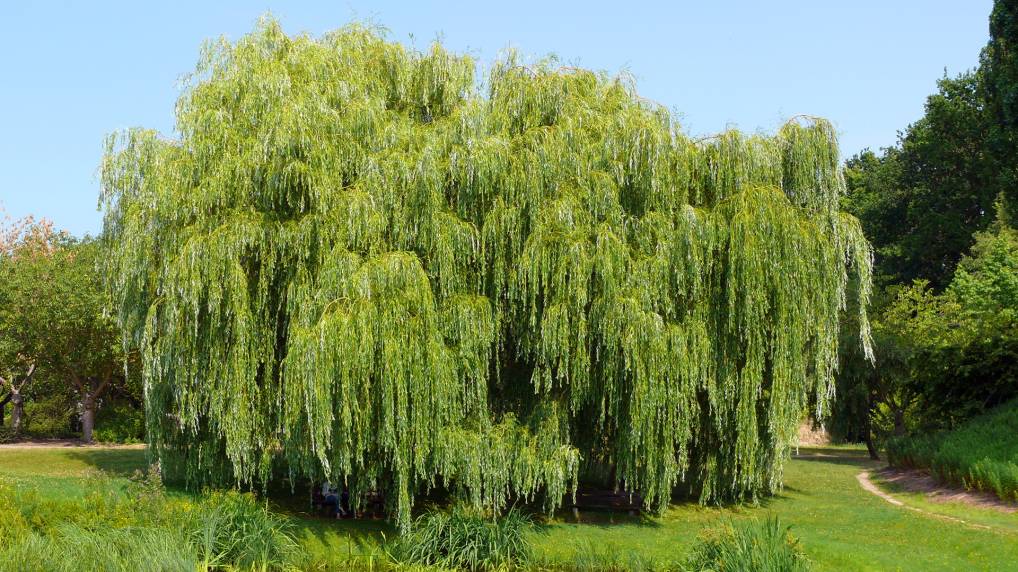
[842, 527]
[64, 471]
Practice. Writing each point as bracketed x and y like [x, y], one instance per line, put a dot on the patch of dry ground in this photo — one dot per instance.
[65, 444]
[812, 435]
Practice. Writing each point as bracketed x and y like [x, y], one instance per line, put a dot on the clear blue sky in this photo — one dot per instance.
[75, 71]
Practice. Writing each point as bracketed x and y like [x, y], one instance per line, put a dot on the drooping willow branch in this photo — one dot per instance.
[356, 264]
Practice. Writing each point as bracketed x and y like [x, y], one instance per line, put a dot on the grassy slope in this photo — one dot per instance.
[841, 526]
[981, 454]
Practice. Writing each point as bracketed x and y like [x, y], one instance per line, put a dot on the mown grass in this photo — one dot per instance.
[982, 454]
[839, 525]
[58, 473]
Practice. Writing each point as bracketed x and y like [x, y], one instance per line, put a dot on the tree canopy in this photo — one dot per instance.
[922, 201]
[358, 261]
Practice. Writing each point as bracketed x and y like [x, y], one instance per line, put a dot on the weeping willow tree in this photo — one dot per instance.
[359, 262]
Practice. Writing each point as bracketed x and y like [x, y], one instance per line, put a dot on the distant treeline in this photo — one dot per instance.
[939, 208]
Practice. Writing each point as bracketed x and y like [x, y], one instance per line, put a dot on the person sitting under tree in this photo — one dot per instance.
[332, 499]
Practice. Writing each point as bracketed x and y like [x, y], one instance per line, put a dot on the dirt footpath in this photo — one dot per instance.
[65, 444]
[921, 482]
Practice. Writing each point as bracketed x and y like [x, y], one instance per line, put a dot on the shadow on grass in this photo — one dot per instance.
[836, 456]
[115, 462]
[860, 462]
[597, 518]
[337, 538]
[835, 451]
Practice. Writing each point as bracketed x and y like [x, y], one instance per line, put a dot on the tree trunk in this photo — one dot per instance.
[17, 412]
[870, 447]
[17, 400]
[868, 434]
[88, 418]
[899, 422]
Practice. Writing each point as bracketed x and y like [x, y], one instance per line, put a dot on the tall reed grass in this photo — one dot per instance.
[765, 546]
[141, 530]
[465, 539]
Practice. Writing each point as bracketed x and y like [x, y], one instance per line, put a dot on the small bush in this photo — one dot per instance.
[465, 539]
[754, 547]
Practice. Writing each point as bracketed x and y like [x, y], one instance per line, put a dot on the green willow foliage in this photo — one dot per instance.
[355, 262]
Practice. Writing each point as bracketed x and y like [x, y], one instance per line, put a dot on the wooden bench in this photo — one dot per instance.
[606, 500]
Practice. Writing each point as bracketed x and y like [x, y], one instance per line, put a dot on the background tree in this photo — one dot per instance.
[976, 367]
[83, 343]
[1000, 64]
[27, 248]
[53, 330]
[938, 208]
[358, 266]
[922, 202]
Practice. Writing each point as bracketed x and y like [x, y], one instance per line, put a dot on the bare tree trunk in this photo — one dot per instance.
[88, 418]
[92, 389]
[17, 412]
[868, 431]
[17, 399]
[870, 447]
[899, 422]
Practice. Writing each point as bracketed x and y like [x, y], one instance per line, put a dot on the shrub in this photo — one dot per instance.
[49, 416]
[119, 423]
[466, 539]
[7, 435]
[753, 547]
